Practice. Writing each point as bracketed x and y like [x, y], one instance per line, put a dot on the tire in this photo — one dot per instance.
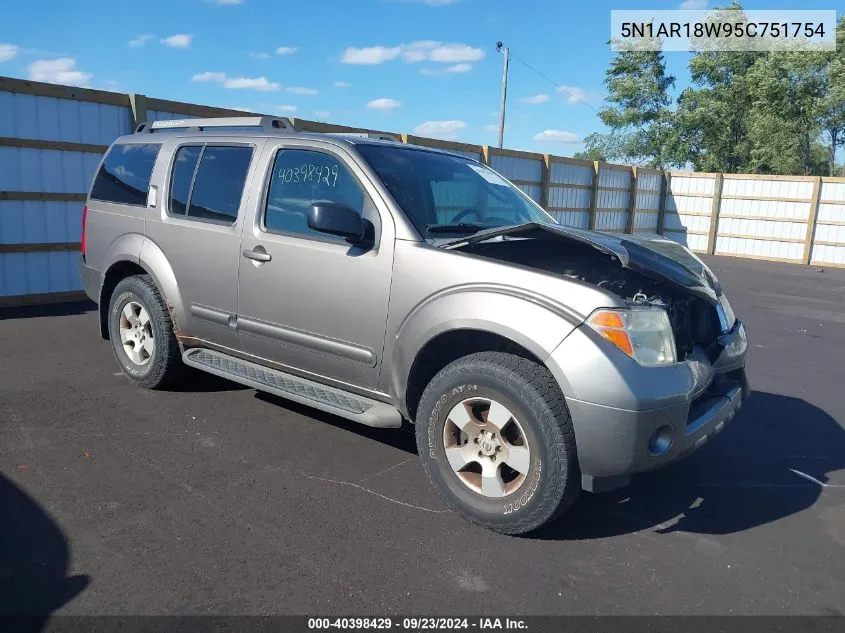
[529, 393]
[161, 362]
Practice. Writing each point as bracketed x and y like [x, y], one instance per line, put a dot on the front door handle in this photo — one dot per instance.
[258, 255]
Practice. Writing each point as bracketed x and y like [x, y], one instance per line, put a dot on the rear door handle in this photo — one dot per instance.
[259, 256]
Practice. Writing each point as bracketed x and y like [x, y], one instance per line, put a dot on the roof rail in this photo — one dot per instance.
[382, 136]
[264, 122]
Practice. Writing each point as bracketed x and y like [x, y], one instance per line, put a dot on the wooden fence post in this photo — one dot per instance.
[632, 201]
[714, 214]
[665, 192]
[485, 154]
[546, 179]
[594, 195]
[138, 105]
[811, 220]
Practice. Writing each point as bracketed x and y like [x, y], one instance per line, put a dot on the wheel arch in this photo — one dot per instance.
[449, 346]
[149, 261]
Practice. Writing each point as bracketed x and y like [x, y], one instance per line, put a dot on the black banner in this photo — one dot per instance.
[533, 624]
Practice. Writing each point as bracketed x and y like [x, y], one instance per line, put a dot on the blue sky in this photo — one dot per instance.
[416, 66]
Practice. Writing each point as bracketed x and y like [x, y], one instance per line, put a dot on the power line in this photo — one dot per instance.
[554, 83]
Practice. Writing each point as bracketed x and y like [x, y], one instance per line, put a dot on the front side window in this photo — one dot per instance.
[301, 178]
[208, 182]
[124, 177]
[445, 195]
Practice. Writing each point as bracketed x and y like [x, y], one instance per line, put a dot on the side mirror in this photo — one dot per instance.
[335, 218]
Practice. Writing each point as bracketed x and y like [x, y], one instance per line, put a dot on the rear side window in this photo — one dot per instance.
[124, 177]
[208, 182]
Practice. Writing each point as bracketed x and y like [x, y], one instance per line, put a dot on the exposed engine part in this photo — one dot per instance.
[694, 322]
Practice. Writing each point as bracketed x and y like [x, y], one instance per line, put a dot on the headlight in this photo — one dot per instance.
[644, 334]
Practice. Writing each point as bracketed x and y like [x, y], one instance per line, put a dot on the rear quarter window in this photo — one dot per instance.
[124, 176]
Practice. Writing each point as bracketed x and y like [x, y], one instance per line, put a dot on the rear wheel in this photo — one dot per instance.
[141, 333]
[496, 441]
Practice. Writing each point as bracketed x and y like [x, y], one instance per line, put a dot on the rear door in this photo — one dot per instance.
[198, 227]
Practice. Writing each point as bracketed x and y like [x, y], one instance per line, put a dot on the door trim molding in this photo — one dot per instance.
[218, 317]
[332, 347]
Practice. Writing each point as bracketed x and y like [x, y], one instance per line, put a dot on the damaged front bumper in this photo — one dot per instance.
[629, 419]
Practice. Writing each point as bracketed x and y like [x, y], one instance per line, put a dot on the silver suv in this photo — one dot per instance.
[385, 282]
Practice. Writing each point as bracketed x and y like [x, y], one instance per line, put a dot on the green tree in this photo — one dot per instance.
[637, 112]
[832, 105]
[711, 122]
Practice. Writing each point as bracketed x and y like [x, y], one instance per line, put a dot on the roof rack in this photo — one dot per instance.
[263, 122]
[382, 136]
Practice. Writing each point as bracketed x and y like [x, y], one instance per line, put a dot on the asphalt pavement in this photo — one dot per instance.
[216, 499]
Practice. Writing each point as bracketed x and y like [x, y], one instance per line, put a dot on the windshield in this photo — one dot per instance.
[445, 195]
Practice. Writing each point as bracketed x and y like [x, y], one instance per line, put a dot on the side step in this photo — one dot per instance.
[307, 392]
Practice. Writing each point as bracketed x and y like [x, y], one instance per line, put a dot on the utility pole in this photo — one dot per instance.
[504, 94]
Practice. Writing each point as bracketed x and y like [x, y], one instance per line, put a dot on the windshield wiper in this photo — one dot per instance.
[459, 227]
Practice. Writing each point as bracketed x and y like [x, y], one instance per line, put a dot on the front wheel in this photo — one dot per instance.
[496, 441]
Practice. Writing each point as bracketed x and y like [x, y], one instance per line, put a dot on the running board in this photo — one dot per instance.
[307, 392]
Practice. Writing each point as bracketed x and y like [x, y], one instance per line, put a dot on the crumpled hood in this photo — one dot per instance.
[657, 257]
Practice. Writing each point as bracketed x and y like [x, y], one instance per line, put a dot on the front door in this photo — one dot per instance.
[311, 301]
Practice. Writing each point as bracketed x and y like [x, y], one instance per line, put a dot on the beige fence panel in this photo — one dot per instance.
[647, 201]
[570, 191]
[689, 207]
[764, 217]
[524, 169]
[829, 244]
[613, 198]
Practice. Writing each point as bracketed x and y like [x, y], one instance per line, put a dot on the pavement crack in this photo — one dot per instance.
[377, 494]
[381, 472]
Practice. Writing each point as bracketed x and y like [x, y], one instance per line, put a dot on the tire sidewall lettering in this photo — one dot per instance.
[437, 419]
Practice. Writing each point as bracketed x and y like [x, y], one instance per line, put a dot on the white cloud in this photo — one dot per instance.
[385, 105]
[459, 68]
[180, 40]
[415, 52]
[260, 55]
[222, 3]
[286, 108]
[286, 50]
[418, 51]
[447, 130]
[58, 71]
[341, 84]
[535, 99]
[371, 55]
[141, 40]
[8, 51]
[451, 53]
[249, 83]
[557, 136]
[693, 4]
[573, 94]
[209, 76]
[296, 90]
[242, 108]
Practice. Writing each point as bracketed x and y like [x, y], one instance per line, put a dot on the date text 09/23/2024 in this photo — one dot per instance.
[416, 624]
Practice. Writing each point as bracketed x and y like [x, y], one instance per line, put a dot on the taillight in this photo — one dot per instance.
[84, 218]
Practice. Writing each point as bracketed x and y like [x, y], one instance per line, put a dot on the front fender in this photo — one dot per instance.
[534, 322]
